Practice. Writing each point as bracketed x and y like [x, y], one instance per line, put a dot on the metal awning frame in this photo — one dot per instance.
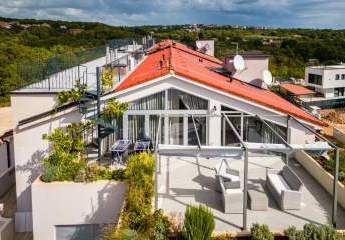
[245, 147]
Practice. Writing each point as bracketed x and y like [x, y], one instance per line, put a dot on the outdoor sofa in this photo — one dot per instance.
[286, 188]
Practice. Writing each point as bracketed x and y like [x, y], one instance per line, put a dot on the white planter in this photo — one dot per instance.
[68, 203]
[339, 135]
[321, 175]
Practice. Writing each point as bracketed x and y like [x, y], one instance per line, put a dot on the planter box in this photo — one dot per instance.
[324, 178]
[339, 135]
[58, 205]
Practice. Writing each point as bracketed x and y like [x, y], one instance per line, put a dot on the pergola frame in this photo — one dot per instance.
[246, 147]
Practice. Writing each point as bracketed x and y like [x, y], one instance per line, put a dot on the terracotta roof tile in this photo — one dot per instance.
[170, 56]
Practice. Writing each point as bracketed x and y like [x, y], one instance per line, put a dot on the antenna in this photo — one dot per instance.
[267, 77]
[235, 43]
[239, 63]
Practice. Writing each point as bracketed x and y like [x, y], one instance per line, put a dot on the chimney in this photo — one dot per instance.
[255, 64]
[205, 46]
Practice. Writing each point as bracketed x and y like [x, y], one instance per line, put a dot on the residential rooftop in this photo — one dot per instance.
[170, 57]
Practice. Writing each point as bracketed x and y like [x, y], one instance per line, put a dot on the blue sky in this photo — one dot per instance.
[274, 13]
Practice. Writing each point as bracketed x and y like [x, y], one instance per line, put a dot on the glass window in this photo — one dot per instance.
[77, 232]
[337, 76]
[339, 92]
[176, 130]
[228, 135]
[200, 126]
[184, 101]
[342, 76]
[154, 120]
[152, 102]
[136, 127]
[315, 79]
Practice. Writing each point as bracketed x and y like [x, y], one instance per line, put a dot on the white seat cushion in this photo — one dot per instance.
[278, 182]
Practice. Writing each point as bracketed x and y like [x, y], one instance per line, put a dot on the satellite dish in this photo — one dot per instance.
[198, 45]
[267, 77]
[239, 63]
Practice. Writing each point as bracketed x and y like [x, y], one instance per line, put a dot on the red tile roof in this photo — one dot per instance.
[296, 89]
[169, 56]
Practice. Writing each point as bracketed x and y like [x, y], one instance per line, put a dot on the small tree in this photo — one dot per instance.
[198, 223]
[66, 158]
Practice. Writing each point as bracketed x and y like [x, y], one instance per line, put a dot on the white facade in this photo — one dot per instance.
[327, 80]
[35, 115]
[60, 209]
[29, 150]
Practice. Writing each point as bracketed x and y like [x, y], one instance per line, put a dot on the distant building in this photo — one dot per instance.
[75, 31]
[5, 25]
[329, 83]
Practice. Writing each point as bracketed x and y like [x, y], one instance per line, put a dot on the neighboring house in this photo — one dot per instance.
[173, 83]
[75, 31]
[5, 25]
[329, 82]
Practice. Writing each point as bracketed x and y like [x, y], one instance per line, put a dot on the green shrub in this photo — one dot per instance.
[312, 231]
[139, 174]
[330, 164]
[111, 233]
[65, 160]
[293, 234]
[156, 226]
[323, 232]
[261, 232]
[198, 223]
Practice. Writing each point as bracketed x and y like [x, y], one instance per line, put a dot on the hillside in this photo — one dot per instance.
[290, 48]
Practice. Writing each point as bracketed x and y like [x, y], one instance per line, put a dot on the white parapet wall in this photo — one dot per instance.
[339, 135]
[63, 204]
[324, 178]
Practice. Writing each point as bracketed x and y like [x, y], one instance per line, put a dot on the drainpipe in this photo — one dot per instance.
[99, 140]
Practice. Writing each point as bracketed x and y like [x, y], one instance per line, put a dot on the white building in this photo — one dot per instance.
[171, 82]
[328, 81]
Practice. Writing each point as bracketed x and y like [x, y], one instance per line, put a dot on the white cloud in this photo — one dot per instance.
[285, 13]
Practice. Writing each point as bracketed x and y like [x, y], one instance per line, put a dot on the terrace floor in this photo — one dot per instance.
[190, 180]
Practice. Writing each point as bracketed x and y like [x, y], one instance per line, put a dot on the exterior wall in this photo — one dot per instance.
[68, 203]
[322, 176]
[7, 178]
[25, 105]
[299, 135]
[253, 71]
[29, 150]
[216, 123]
[328, 79]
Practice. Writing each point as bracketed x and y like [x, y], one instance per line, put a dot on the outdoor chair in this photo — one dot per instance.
[286, 188]
[119, 149]
[231, 177]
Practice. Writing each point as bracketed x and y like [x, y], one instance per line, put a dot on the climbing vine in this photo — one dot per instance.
[72, 95]
[114, 109]
[107, 77]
